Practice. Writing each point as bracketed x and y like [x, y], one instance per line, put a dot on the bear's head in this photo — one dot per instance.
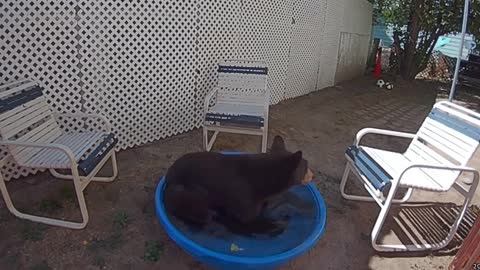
[293, 161]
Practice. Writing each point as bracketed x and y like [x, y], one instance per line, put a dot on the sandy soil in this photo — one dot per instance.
[123, 232]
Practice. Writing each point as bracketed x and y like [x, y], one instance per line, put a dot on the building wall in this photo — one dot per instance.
[355, 36]
[334, 10]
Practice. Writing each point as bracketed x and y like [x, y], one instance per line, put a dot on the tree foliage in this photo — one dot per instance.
[418, 24]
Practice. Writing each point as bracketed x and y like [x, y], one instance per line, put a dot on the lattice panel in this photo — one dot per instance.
[216, 39]
[321, 48]
[38, 41]
[265, 35]
[306, 44]
[138, 67]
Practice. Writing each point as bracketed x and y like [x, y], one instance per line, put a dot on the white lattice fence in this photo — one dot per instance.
[216, 38]
[137, 64]
[147, 65]
[38, 41]
[265, 35]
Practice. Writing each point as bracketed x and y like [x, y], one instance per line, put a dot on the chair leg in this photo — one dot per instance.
[381, 219]
[265, 133]
[343, 184]
[113, 158]
[45, 220]
[421, 247]
[205, 138]
[208, 144]
[406, 197]
[81, 198]
[351, 197]
[212, 140]
[264, 139]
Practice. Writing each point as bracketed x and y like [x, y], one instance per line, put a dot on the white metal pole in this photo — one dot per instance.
[460, 51]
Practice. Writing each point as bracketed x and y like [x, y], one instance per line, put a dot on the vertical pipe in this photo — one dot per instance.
[460, 52]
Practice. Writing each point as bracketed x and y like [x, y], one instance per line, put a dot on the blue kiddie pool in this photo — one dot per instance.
[302, 208]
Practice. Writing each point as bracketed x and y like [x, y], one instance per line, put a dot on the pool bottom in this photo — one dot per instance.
[296, 207]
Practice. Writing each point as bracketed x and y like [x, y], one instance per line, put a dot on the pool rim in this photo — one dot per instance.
[178, 237]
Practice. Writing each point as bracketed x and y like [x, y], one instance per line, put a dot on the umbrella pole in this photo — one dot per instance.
[460, 51]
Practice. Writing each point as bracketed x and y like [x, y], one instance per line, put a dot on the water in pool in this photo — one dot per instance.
[296, 207]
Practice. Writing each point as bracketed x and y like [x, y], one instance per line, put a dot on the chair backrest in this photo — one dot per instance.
[243, 82]
[449, 135]
[25, 116]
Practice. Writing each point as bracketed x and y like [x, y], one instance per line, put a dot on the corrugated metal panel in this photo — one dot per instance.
[385, 34]
[452, 45]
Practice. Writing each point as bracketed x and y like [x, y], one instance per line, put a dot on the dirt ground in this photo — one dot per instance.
[124, 233]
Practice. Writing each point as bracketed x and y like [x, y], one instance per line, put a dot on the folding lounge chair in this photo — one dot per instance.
[436, 157]
[33, 138]
[239, 103]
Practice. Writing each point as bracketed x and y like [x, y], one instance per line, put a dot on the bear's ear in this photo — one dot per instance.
[278, 145]
[295, 159]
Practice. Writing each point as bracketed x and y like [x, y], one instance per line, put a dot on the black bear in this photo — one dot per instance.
[232, 189]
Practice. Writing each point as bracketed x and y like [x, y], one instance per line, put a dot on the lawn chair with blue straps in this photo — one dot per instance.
[33, 138]
[438, 154]
[239, 103]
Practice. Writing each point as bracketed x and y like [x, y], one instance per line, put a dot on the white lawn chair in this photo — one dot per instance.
[239, 103]
[33, 138]
[437, 155]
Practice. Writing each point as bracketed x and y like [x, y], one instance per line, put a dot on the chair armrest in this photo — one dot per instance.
[443, 167]
[106, 124]
[55, 146]
[385, 132]
[208, 98]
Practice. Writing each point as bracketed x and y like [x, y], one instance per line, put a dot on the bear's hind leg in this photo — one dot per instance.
[188, 203]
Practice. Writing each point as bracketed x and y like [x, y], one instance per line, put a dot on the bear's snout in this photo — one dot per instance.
[308, 177]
